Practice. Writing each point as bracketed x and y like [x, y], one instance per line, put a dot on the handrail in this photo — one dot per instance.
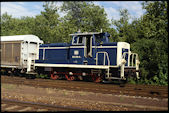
[105, 53]
[124, 55]
[133, 55]
[137, 62]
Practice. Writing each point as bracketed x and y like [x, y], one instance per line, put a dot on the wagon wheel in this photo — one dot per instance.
[70, 78]
[54, 76]
[96, 78]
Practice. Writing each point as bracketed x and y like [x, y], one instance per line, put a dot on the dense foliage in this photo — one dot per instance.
[148, 35]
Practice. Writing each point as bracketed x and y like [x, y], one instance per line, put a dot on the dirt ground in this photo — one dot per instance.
[81, 99]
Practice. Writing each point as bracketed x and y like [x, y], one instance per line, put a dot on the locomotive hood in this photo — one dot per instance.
[55, 45]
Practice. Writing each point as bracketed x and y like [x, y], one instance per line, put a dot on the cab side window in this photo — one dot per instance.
[77, 40]
[80, 40]
[98, 39]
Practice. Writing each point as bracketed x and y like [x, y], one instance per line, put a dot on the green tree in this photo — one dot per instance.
[16, 26]
[47, 24]
[65, 28]
[5, 24]
[152, 42]
[85, 16]
[122, 25]
[113, 34]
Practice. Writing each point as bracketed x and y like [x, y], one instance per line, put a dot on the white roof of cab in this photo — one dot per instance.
[29, 38]
[86, 33]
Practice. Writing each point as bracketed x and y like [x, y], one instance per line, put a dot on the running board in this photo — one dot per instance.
[117, 78]
[73, 66]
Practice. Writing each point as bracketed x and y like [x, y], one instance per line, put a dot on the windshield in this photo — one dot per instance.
[98, 38]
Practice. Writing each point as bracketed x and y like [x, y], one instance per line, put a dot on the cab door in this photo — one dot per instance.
[88, 46]
[89, 50]
[76, 51]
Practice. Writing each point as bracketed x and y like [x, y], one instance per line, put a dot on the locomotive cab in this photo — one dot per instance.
[83, 40]
[88, 42]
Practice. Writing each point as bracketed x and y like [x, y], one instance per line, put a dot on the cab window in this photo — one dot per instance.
[80, 40]
[77, 40]
[98, 38]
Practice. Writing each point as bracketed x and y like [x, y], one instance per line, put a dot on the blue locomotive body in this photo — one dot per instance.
[91, 51]
[53, 53]
[76, 53]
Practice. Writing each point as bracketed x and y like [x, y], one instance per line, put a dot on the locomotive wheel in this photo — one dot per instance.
[70, 78]
[80, 78]
[96, 78]
[54, 76]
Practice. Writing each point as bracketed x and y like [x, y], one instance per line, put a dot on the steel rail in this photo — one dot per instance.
[42, 105]
[134, 90]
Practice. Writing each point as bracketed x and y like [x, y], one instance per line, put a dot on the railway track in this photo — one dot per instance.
[14, 105]
[128, 89]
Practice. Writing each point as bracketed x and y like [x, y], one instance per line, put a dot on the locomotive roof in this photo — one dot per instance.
[86, 33]
[29, 38]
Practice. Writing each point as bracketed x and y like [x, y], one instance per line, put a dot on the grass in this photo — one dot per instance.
[49, 91]
[82, 93]
[8, 86]
[42, 76]
[121, 98]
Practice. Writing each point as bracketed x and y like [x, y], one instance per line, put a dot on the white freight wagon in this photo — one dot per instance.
[19, 52]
